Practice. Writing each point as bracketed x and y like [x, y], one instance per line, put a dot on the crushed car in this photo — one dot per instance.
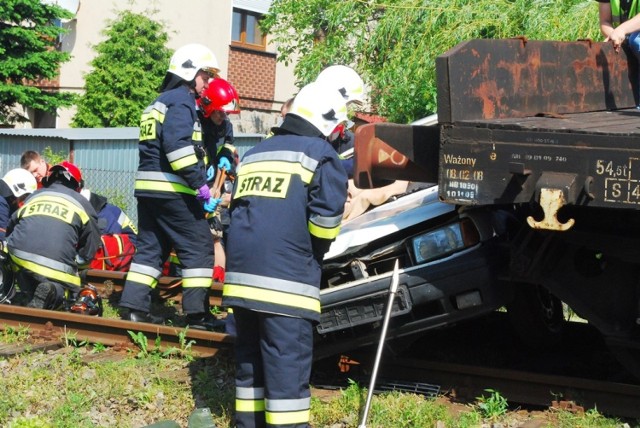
[450, 262]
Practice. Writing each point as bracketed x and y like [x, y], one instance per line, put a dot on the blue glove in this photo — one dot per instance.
[80, 261]
[211, 204]
[211, 172]
[224, 163]
[203, 193]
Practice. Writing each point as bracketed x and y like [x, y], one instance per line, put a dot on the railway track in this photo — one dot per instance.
[51, 326]
[409, 373]
[462, 362]
[464, 383]
[109, 283]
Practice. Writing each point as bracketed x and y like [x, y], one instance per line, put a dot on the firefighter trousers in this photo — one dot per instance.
[28, 281]
[165, 224]
[273, 364]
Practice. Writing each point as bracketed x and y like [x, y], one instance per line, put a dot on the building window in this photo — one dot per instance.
[245, 31]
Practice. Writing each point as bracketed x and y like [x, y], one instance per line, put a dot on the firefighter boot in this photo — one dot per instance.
[140, 316]
[44, 296]
[205, 321]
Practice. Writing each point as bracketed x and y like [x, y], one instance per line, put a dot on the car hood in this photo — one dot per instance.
[387, 219]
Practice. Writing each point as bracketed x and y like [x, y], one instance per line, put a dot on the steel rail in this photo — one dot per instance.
[109, 282]
[469, 382]
[54, 325]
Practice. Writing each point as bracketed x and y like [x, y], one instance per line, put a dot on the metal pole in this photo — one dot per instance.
[383, 335]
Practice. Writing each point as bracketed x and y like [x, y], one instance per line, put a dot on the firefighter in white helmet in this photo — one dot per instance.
[287, 202]
[346, 80]
[172, 192]
[349, 83]
[15, 187]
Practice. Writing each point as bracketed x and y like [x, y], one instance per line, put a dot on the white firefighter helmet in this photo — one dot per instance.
[187, 60]
[20, 181]
[322, 106]
[346, 80]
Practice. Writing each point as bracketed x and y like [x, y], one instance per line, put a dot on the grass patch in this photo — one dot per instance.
[404, 410]
[66, 389]
[75, 387]
[61, 390]
[13, 335]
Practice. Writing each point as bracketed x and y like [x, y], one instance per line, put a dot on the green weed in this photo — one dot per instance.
[29, 422]
[591, 418]
[141, 341]
[109, 311]
[494, 406]
[98, 347]
[185, 346]
[70, 339]
[15, 334]
[52, 390]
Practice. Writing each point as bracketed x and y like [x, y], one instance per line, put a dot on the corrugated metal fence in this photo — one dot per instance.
[108, 157]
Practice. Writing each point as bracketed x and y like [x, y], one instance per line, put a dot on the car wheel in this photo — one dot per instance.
[536, 315]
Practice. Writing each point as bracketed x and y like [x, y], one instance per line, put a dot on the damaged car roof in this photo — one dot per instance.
[388, 218]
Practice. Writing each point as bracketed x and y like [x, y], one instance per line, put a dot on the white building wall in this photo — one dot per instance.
[195, 21]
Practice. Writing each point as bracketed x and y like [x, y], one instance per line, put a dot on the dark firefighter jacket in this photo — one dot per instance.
[216, 137]
[111, 219]
[170, 148]
[287, 206]
[6, 207]
[54, 227]
[342, 145]
[218, 142]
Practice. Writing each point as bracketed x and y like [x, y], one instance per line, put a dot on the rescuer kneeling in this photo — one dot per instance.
[50, 237]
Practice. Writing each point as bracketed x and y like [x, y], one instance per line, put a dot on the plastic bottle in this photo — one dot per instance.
[201, 418]
[164, 424]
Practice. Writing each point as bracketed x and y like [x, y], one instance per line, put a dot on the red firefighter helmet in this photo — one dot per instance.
[65, 171]
[220, 95]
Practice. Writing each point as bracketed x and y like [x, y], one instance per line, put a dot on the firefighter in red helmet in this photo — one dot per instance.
[218, 101]
[220, 96]
[53, 235]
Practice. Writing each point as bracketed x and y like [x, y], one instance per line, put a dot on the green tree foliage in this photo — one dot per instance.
[393, 44]
[28, 39]
[127, 73]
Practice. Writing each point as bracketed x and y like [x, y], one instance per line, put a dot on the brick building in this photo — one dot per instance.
[228, 27]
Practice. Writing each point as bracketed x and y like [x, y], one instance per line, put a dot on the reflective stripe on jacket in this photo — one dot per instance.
[287, 206]
[170, 163]
[55, 225]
